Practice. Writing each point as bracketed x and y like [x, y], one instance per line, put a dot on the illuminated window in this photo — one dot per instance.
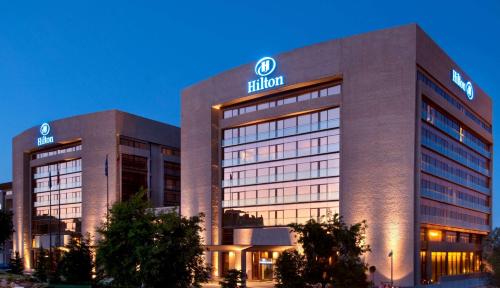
[435, 235]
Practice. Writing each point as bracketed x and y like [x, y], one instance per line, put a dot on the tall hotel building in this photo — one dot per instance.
[383, 127]
[60, 185]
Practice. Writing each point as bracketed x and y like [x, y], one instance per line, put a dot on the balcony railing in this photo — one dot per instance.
[453, 223]
[310, 151]
[453, 200]
[453, 178]
[281, 199]
[56, 187]
[291, 176]
[56, 202]
[455, 156]
[322, 125]
[62, 171]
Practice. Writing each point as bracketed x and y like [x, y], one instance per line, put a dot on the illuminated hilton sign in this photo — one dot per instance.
[465, 86]
[45, 138]
[263, 68]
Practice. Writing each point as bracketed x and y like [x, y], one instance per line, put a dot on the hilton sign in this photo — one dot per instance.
[263, 68]
[45, 138]
[465, 86]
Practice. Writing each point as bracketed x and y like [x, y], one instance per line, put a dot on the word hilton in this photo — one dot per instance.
[265, 83]
[45, 140]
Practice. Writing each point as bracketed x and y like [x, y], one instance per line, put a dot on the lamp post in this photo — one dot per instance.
[391, 256]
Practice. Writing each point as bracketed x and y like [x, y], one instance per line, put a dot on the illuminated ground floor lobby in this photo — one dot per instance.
[257, 260]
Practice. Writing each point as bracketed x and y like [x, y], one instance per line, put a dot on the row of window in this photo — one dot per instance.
[126, 141]
[58, 168]
[305, 123]
[299, 148]
[66, 212]
[453, 195]
[454, 129]
[449, 263]
[170, 151]
[453, 101]
[64, 226]
[289, 172]
[58, 151]
[172, 184]
[449, 236]
[239, 218]
[454, 214]
[329, 91]
[292, 194]
[452, 149]
[75, 194]
[63, 180]
[453, 173]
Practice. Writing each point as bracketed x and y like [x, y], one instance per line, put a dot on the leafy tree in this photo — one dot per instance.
[76, 263]
[139, 248]
[17, 264]
[126, 239]
[42, 265]
[232, 278]
[492, 255]
[177, 248]
[290, 270]
[6, 226]
[333, 252]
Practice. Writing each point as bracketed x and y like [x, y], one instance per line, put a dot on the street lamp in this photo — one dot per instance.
[391, 256]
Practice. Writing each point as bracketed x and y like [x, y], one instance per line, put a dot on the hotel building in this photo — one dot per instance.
[67, 172]
[383, 127]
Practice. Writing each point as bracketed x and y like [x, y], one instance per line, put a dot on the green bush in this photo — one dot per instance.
[17, 264]
[289, 271]
[232, 278]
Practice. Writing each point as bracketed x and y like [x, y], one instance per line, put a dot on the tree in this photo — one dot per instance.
[139, 248]
[42, 265]
[289, 271]
[232, 278]
[17, 264]
[126, 239]
[492, 255]
[177, 248]
[76, 263]
[333, 252]
[6, 226]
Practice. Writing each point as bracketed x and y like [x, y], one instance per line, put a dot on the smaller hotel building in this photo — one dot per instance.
[383, 127]
[67, 172]
[5, 205]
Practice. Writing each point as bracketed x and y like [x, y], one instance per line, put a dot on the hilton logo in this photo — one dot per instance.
[45, 139]
[465, 86]
[263, 68]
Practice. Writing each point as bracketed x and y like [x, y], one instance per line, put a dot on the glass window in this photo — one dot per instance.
[290, 100]
[304, 97]
[250, 109]
[263, 106]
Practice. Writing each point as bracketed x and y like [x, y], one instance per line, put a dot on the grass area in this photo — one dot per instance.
[13, 280]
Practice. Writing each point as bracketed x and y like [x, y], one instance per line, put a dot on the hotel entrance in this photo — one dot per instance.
[263, 265]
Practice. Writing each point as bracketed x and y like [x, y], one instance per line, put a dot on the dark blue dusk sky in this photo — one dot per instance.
[63, 58]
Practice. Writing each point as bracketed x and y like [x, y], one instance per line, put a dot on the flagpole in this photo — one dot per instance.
[50, 218]
[107, 189]
[58, 207]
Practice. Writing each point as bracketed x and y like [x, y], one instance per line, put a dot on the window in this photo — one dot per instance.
[283, 100]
